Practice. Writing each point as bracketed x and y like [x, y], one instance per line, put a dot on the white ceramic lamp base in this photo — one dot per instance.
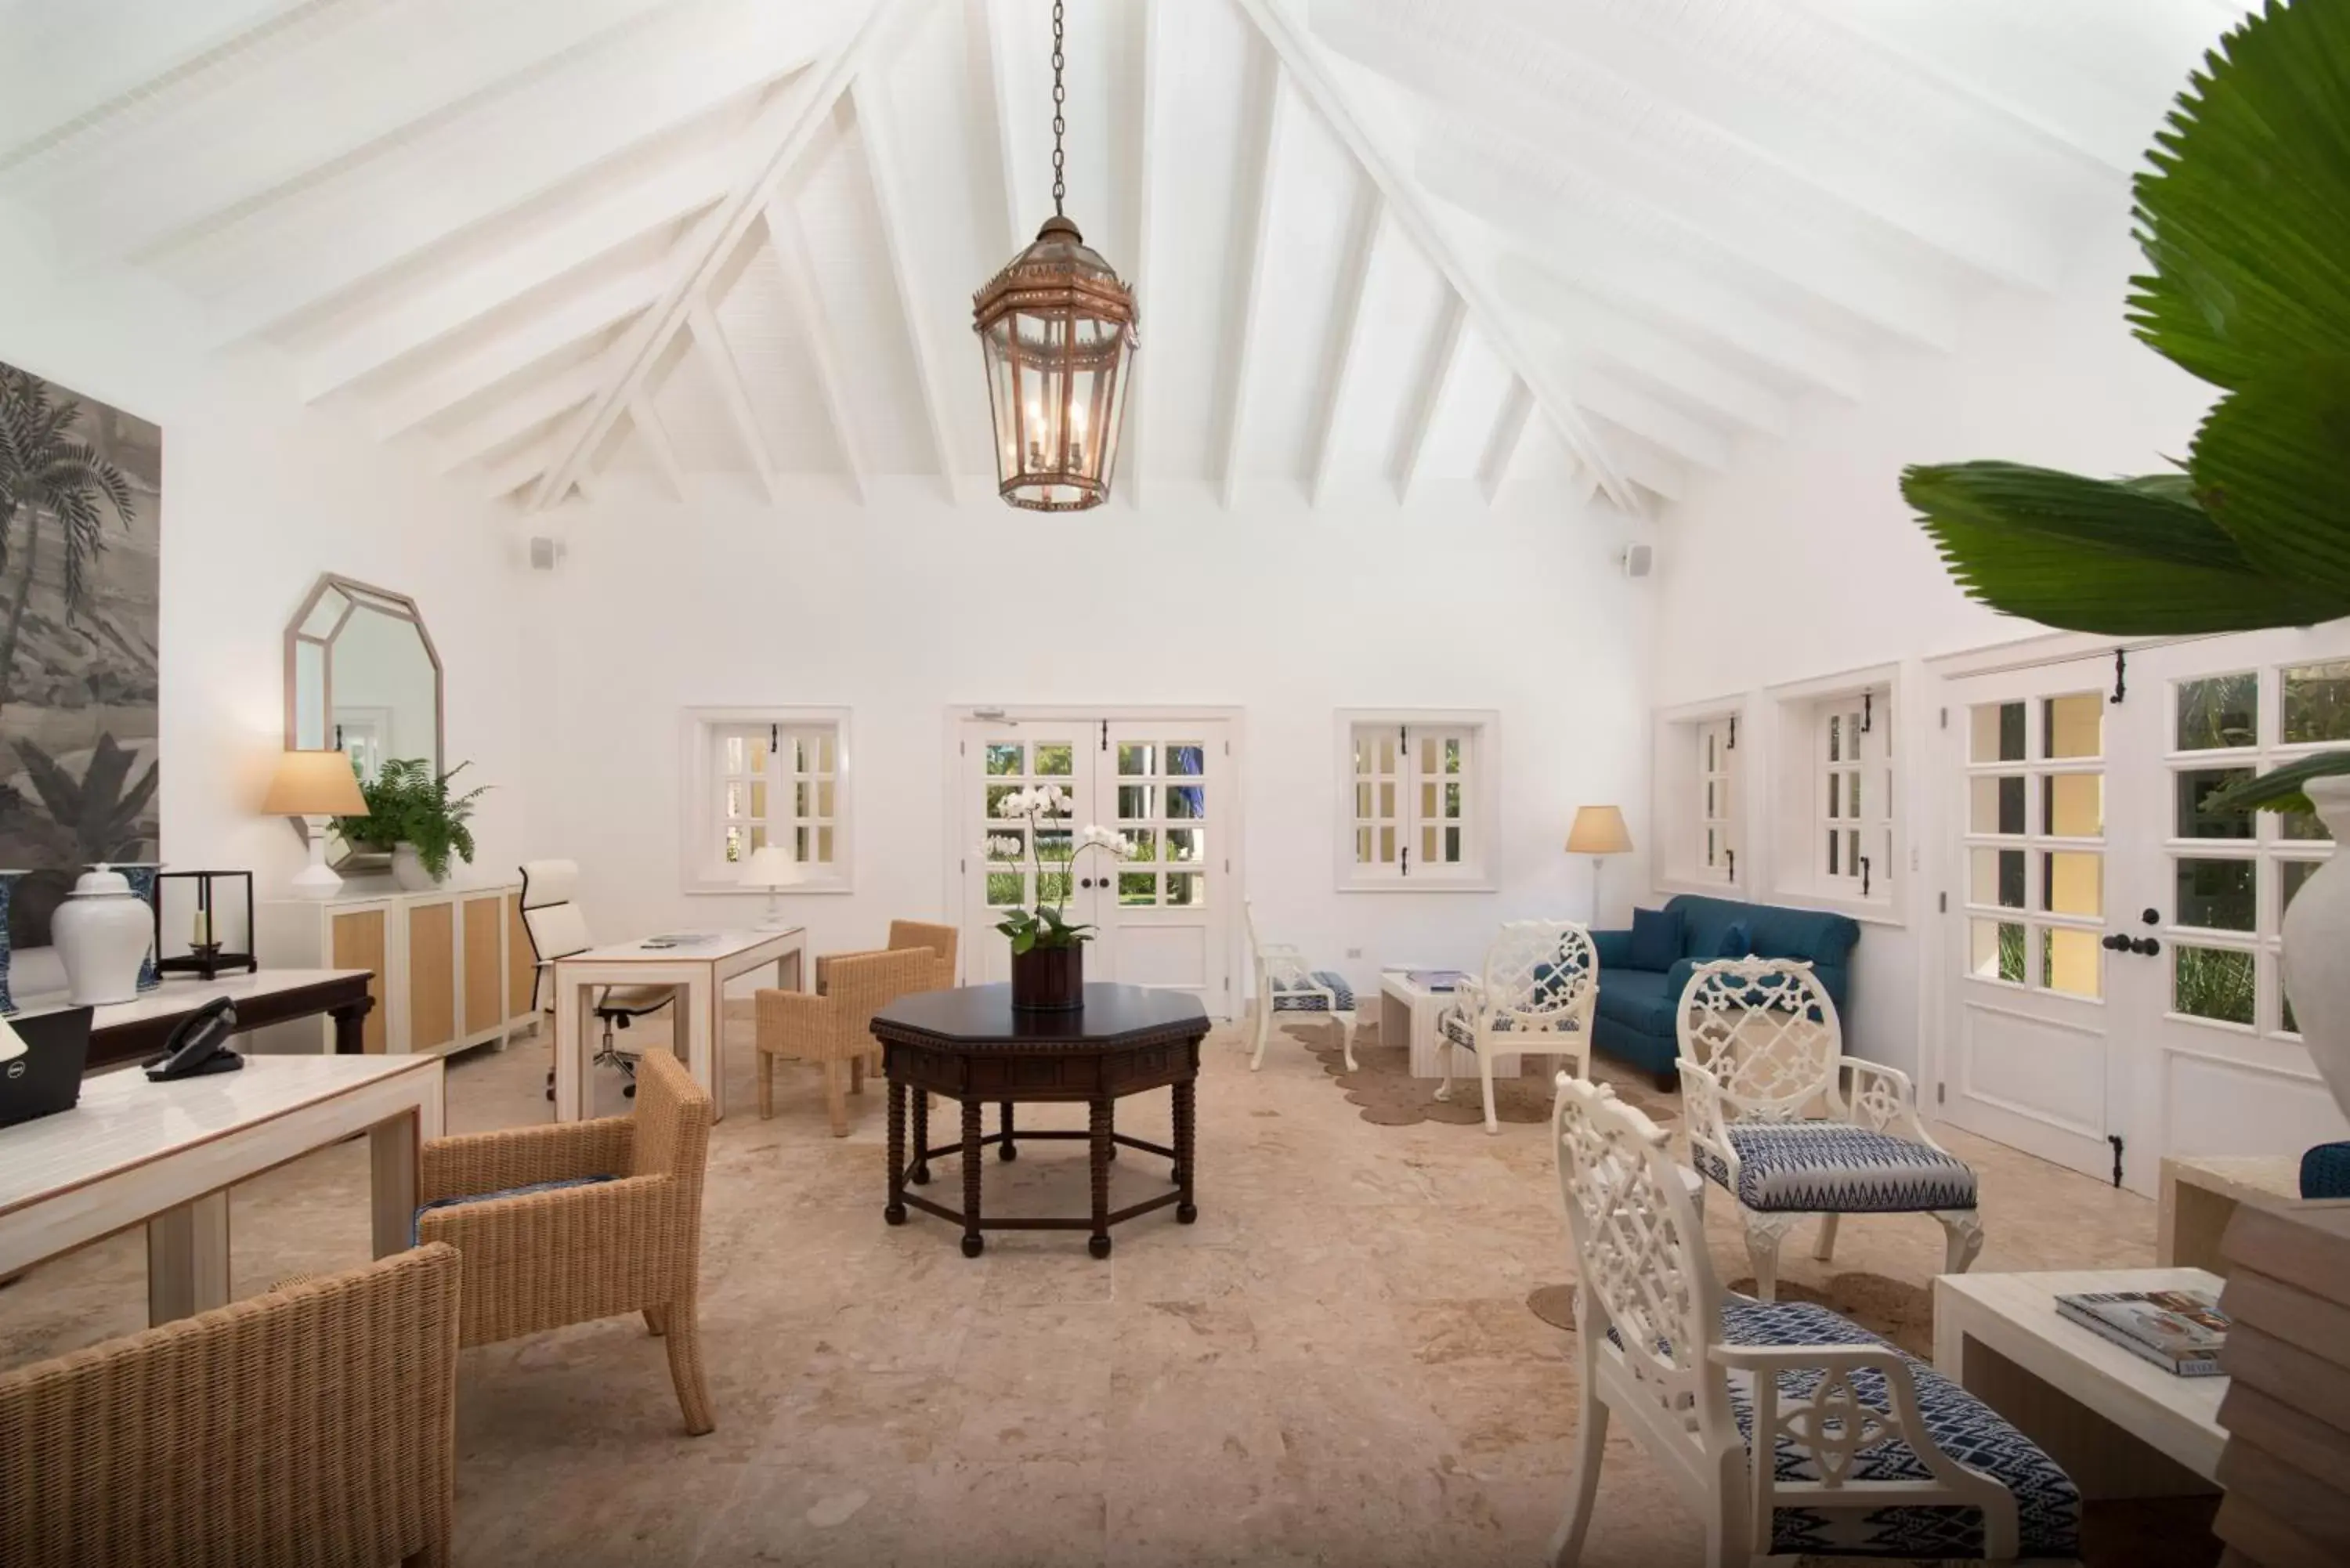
[318, 880]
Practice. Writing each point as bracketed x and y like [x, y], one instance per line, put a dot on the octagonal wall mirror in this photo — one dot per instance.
[362, 676]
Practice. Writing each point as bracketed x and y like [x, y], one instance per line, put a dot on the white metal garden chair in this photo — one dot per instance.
[1283, 984]
[1789, 1126]
[1540, 982]
[1791, 1429]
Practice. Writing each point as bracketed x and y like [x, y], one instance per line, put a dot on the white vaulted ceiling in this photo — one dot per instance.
[554, 245]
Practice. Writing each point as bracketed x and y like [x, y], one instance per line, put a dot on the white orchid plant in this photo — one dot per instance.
[1042, 807]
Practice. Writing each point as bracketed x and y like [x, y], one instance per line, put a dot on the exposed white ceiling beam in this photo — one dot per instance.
[789, 243]
[1345, 330]
[1686, 437]
[647, 422]
[303, 253]
[422, 317]
[1252, 280]
[803, 114]
[1135, 458]
[515, 416]
[1523, 193]
[1297, 53]
[1509, 435]
[881, 166]
[1436, 376]
[505, 478]
[1599, 332]
[709, 343]
[1671, 288]
[1649, 466]
[990, 43]
[551, 331]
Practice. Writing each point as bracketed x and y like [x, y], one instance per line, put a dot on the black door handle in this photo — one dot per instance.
[2116, 944]
[2151, 916]
[1084, 881]
[2146, 947]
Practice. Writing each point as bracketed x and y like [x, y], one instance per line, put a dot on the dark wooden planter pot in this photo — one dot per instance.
[1049, 980]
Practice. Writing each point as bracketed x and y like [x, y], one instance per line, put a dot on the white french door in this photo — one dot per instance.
[1163, 914]
[2112, 940]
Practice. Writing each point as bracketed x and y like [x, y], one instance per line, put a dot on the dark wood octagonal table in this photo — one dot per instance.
[971, 1046]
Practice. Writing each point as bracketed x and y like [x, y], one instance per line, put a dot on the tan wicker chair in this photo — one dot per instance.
[835, 1029]
[538, 1261]
[313, 1424]
[944, 941]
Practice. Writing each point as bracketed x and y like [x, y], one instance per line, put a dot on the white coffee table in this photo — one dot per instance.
[2120, 1425]
[1407, 1012]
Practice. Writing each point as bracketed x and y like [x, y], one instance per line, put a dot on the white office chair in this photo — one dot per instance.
[557, 930]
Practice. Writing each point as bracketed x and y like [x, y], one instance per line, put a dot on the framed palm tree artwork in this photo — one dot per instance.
[80, 492]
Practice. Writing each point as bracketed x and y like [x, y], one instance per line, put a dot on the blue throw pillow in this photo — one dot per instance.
[1736, 943]
[1656, 939]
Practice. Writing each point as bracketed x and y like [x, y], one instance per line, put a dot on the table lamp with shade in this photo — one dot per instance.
[1598, 832]
[316, 787]
[772, 866]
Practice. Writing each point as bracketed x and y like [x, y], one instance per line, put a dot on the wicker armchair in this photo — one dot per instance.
[582, 1220]
[942, 941]
[835, 1029]
[315, 1424]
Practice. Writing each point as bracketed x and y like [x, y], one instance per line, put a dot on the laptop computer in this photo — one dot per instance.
[41, 1062]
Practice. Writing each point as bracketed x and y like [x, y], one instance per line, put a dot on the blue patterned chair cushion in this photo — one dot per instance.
[2047, 1504]
[1328, 979]
[416, 1222]
[1810, 1167]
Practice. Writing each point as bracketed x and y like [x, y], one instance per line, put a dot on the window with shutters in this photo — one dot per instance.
[1699, 800]
[1417, 807]
[754, 777]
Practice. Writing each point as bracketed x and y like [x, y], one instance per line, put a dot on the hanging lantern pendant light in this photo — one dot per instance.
[1057, 327]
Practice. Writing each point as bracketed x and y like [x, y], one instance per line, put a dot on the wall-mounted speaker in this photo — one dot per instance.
[1639, 560]
[545, 552]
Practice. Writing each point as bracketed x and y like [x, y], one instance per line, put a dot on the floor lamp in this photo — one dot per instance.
[1598, 832]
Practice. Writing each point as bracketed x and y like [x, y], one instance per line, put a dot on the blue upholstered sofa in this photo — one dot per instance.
[1635, 1014]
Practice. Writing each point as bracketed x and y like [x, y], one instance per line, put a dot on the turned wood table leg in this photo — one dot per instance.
[1005, 1150]
[1186, 1133]
[1111, 1112]
[974, 1243]
[921, 1138]
[896, 1211]
[1101, 1148]
[350, 1025]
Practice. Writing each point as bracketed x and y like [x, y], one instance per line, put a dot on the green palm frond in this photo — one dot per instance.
[2272, 466]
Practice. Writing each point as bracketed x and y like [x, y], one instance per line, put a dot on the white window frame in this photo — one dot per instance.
[1480, 730]
[1799, 782]
[1680, 804]
[703, 779]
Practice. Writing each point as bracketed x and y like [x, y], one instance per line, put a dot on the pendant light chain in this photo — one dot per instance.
[1060, 96]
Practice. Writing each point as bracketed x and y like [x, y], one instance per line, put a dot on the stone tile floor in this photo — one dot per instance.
[1335, 1365]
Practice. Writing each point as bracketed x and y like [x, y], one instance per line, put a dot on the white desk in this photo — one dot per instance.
[2109, 1418]
[699, 970]
[167, 1154]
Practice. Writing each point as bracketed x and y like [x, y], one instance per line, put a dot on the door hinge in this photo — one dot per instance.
[1946, 718]
[774, 739]
[962, 749]
[1863, 875]
[1733, 733]
[1731, 858]
[1406, 861]
[2116, 1139]
[2121, 690]
[1941, 903]
[1941, 1093]
[1105, 745]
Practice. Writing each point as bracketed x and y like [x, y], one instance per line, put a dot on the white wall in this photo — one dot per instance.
[1803, 560]
[259, 495]
[907, 605]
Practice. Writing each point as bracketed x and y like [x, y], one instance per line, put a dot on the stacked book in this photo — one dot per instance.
[2179, 1331]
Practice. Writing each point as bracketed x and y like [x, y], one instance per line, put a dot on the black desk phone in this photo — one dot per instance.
[199, 1044]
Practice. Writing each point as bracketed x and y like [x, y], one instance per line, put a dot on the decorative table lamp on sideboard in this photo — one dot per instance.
[1598, 831]
[772, 868]
[315, 786]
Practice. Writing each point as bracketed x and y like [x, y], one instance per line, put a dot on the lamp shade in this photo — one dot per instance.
[1599, 830]
[772, 866]
[315, 783]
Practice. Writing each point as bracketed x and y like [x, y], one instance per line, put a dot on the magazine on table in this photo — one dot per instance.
[2181, 1332]
[1435, 978]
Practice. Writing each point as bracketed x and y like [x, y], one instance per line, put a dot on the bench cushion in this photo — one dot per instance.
[1340, 997]
[1818, 1167]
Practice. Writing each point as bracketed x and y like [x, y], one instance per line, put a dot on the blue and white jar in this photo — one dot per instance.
[140, 875]
[7, 895]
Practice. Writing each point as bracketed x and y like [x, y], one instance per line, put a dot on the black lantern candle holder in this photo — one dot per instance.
[206, 957]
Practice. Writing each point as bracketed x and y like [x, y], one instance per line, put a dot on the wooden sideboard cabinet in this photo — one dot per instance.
[453, 967]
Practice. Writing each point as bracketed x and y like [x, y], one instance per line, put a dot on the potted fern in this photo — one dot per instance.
[2244, 217]
[412, 813]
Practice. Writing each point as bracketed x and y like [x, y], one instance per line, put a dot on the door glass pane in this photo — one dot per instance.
[1141, 843]
[1055, 847]
[1995, 876]
[2317, 703]
[1138, 888]
[1188, 888]
[1852, 794]
[2213, 982]
[1003, 890]
[2198, 821]
[2218, 895]
[2302, 826]
[1995, 804]
[1835, 737]
[1053, 886]
[1835, 844]
[2291, 874]
[1003, 758]
[1835, 794]
[1134, 803]
[1056, 761]
[2073, 883]
[1996, 951]
[997, 796]
[2073, 726]
[1363, 846]
[1187, 803]
[1184, 844]
[1134, 760]
[2219, 712]
[2069, 962]
[1995, 732]
[1187, 759]
[2073, 805]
